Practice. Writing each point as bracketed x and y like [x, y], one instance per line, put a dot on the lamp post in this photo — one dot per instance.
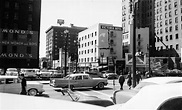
[133, 9]
[65, 50]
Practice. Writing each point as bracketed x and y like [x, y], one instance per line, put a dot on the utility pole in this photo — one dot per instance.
[134, 44]
[65, 59]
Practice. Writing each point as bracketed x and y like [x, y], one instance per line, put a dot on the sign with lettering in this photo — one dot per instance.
[16, 31]
[15, 55]
[111, 28]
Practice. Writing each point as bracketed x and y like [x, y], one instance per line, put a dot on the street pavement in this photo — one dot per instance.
[106, 93]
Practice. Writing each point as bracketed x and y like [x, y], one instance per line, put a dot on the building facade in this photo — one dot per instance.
[168, 26]
[56, 39]
[144, 18]
[100, 44]
[19, 33]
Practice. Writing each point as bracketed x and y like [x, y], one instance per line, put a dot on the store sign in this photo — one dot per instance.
[111, 28]
[18, 43]
[15, 55]
[16, 31]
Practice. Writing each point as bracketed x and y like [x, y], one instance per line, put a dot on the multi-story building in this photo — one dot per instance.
[56, 39]
[19, 33]
[100, 45]
[144, 18]
[168, 26]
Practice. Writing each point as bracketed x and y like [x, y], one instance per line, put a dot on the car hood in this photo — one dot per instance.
[123, 96]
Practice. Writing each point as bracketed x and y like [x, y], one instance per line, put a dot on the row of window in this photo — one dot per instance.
[87, 51]
[16, 16]
[14, 49]
[88, 44]
[167, 38]
[168, 47]
[16, 37]
[17, 6]
[88, 36]
[91, 59]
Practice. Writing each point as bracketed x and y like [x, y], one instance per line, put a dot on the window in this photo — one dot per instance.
[171, 37]
[5, 36]
[16, 16]
[29, 37]
[16, 6]
[14, 49]
[4, 49]
[30, 7]
[166, 37]
[29, 17]
[29, 50]
[6, 4]
[15, 36]
[170, 29]
[95, 33]
[177, 37]
[176, 27]
[176, 20]
[177, 46]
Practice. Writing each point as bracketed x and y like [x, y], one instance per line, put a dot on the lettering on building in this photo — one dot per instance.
[17, 31]
[111, 28]
[15, 55]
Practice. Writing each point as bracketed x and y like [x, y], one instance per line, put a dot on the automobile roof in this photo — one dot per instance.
[152, 96]
[8, 77]
[22, 102]
[162, 80]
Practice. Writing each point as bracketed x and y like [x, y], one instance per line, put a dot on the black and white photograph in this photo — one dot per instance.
[90, 54]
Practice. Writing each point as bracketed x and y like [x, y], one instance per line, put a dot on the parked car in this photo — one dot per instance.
[11, 72]
[154, 97]
[29, 73]
[45, 74]
[123, 96]
[78, 80]
[11, 84]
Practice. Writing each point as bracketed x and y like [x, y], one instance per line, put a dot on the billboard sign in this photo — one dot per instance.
[140, 60]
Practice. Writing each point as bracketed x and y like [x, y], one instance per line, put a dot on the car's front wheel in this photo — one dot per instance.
[100, 85]
[32, 92]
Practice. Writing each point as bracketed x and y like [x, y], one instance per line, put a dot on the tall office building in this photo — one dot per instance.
[168, 26]
[56, 39]
[19, 33]
[144, 18]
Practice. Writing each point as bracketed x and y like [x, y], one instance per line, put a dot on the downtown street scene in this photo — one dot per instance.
[91, 54]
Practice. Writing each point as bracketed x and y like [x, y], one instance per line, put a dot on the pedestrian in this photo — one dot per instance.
[138, 77]
[129, 82]
[121, 81]
[23, 85]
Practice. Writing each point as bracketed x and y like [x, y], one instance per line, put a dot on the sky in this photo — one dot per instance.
[83, 13]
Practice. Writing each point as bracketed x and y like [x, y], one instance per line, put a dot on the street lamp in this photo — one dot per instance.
[65, 50]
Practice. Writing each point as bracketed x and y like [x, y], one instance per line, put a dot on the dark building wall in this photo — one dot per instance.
[19, 33]
[56, 33]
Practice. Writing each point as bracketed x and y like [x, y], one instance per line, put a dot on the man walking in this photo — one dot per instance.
[121, 81]
[23, 85]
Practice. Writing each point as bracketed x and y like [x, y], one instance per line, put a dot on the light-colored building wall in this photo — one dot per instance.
[168, 24]
[94, 42]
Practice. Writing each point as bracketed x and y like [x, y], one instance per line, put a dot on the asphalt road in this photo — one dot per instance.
[105, 93]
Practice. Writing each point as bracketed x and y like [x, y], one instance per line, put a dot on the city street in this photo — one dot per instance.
[105, 93]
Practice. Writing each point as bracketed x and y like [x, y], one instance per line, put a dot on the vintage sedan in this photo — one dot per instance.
[11, 84]
[154, 97]
[122, 96]
[78, 80]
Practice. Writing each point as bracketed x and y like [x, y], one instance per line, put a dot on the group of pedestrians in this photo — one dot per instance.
[129, 79]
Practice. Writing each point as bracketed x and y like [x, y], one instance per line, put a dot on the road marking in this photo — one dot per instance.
[101, 93]
[82, 93]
